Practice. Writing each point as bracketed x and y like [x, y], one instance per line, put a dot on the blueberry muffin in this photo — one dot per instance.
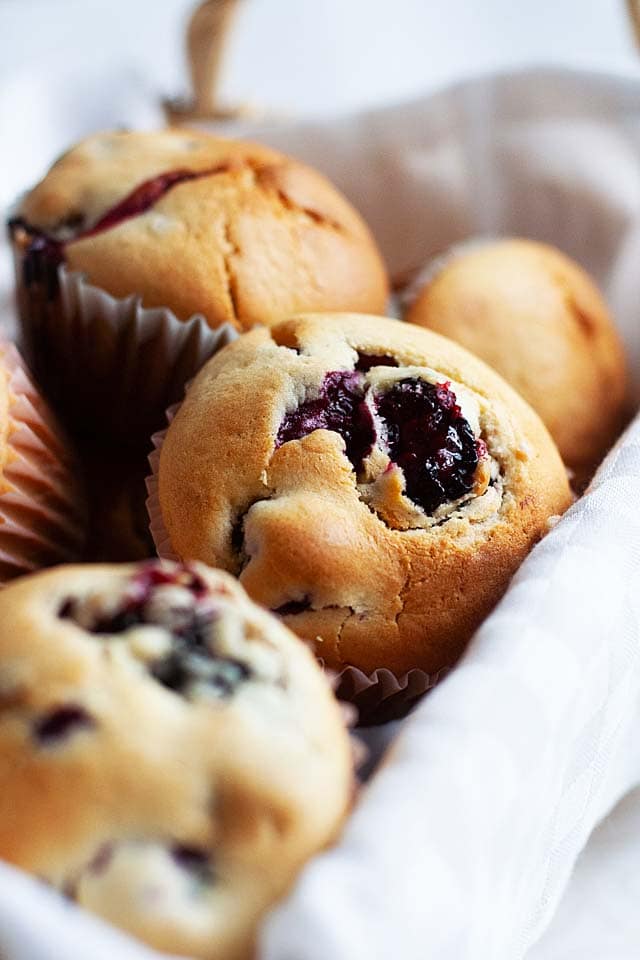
[372, 483]
[537, 318]
[170, 755]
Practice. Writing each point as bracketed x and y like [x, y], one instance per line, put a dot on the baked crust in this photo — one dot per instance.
[177, 815]
[367, 592]
[537, 318]
[253, 238]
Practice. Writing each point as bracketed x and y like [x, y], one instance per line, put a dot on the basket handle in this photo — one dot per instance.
[207, 36]
[633, 9]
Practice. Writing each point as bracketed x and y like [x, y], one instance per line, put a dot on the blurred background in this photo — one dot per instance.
[70, 66]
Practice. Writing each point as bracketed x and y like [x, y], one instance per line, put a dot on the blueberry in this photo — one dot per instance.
[340, 407]
[430, 439]
[61, 722]
[191, 627]
[368, 360]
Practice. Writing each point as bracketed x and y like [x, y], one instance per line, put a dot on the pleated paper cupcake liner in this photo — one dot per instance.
[382, 696]
[108, 365]
[42, 506]
[379, 696]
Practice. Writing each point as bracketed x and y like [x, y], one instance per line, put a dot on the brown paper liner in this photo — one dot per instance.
[381, 696]
[109, 365]
[118, 528]
[378, 697]
[42, 510]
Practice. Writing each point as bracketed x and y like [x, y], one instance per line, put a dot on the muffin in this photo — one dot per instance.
[188, 223]
[197, 734]
[42, 506]
[537, 318]
[372, 483]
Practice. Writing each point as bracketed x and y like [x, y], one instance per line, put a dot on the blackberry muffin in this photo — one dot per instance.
[230, 229]
[372, 483]
[537, 318]
[163, 747]
[169, 228]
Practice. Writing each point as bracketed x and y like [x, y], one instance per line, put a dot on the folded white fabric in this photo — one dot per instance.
[463, 842]
[38, 924]
[598, 917]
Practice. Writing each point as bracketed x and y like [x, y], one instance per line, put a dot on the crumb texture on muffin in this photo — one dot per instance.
[181, 737]
[371, 482]
[232, 230]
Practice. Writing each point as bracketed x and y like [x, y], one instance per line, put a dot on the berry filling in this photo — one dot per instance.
[420, 425]
[293, 606]
[141, 199]
[431, 441]
[43, 252]
[60, 722]
[177, 599]
[195, 862]
[41, 256]
[158, 864]
[368, 360]
[340, 407]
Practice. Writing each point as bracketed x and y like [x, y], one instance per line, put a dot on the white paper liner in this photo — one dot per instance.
[108, 364]
[42, 509]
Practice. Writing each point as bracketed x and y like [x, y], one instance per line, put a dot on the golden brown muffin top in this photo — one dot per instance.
[537, 318]
[231, 229]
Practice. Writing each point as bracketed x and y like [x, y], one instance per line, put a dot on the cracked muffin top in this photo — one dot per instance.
[538, 319]
[371, 482]
[232, 230]
[170, 754]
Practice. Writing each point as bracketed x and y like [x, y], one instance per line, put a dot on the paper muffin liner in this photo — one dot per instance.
[107, 364]
[382, 696]
[159, 532]
[42, 507]
[118, 527]
[378, 697]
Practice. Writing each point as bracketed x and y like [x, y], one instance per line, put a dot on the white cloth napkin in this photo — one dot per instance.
[461, 845]
[598, 917]
[463, 842]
